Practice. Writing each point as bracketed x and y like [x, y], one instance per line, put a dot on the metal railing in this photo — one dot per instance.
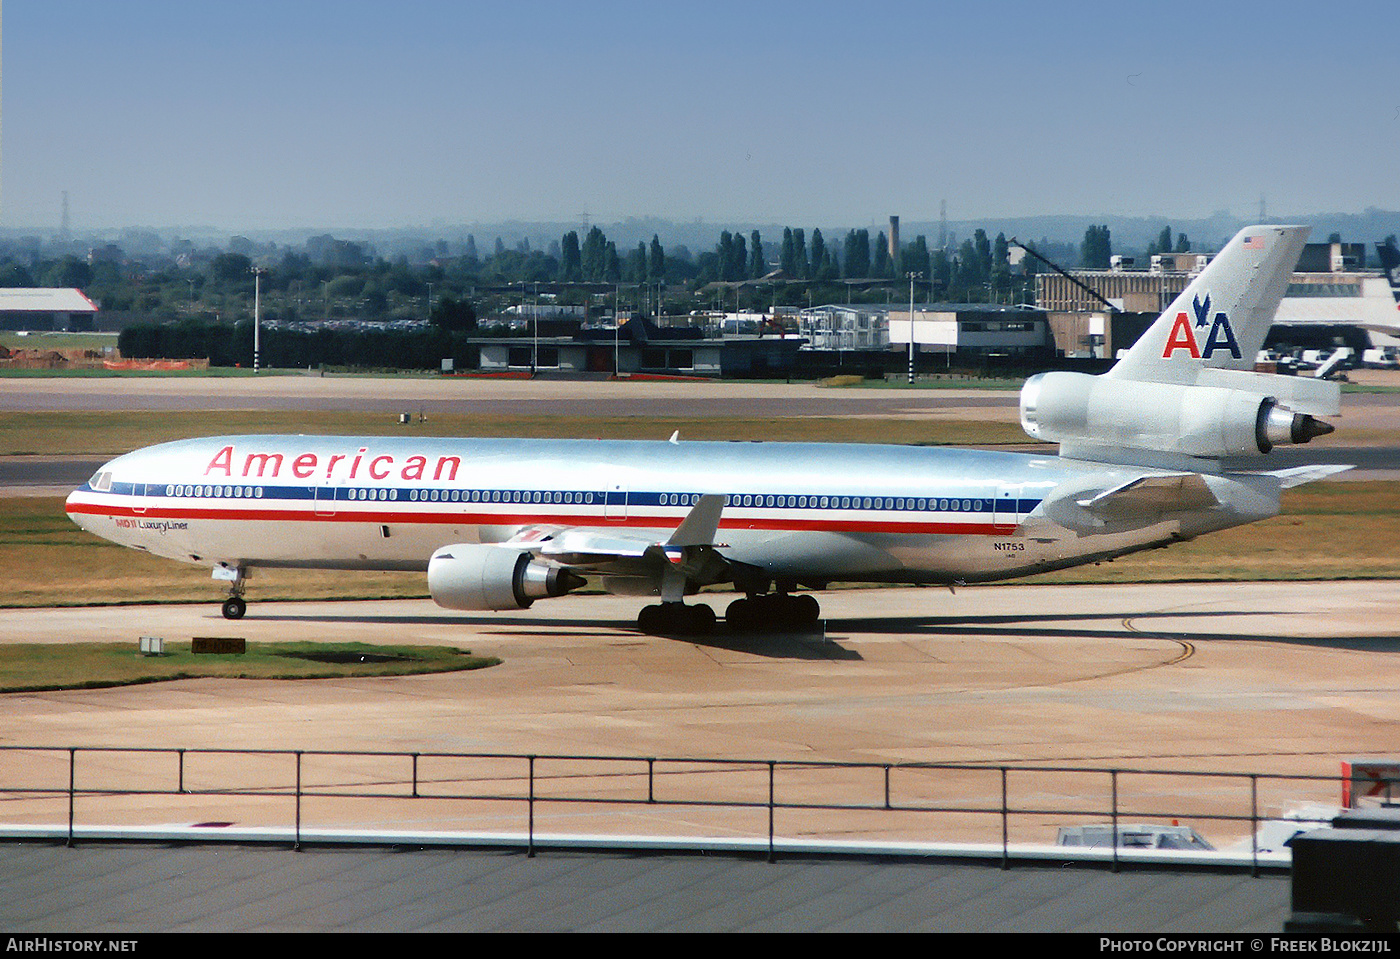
[934, 793]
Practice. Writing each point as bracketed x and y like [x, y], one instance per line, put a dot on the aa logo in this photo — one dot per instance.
[1183, 334]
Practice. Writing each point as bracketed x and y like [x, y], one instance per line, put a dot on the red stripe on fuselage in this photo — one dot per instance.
[589, 520]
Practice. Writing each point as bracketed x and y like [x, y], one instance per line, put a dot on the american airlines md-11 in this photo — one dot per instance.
[499, 524]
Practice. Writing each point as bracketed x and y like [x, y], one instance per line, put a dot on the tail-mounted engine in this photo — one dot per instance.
[477, 576]
[1228, 415]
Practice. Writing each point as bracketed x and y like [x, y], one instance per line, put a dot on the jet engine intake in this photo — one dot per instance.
[479, 576]
[1206, 421]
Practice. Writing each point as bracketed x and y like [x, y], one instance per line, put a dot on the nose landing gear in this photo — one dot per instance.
[235, 606]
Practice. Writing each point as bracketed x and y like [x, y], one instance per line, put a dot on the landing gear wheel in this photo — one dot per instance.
[234, 607]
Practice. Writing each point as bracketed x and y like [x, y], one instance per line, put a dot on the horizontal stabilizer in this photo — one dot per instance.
[1299, 475]
[1300, 394]
[1152, 495]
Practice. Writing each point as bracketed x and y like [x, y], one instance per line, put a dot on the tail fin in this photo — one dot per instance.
[1186, 395]
[1390, 263]
[1221, 319]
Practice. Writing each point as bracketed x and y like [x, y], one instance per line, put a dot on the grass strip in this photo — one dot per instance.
[39, 667]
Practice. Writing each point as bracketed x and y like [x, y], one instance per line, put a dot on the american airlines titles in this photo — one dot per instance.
[306, 465]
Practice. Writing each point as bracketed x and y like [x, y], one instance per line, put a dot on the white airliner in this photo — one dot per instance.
[498, 524]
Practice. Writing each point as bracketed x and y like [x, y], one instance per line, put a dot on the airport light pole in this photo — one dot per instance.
[912, 278]
[257, 317]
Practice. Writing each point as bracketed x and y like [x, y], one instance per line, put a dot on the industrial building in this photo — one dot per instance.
[639, 346]
[1331, 298]
[46, 310]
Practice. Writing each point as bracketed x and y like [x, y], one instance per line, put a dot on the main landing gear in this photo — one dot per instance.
[773, 613]
[676, 619]
[235, 607]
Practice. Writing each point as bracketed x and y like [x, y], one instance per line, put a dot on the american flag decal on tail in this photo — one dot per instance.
[1255, 242]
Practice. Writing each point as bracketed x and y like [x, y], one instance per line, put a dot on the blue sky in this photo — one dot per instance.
[309, 113]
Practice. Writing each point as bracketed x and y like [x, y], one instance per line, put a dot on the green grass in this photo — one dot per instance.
[57, 341]
[33, 667]
[106, 434]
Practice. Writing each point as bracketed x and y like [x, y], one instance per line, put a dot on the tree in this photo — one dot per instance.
[915, 258]
[1183, 245]
[984, 255]
[820, 264]
[612, 266]
[656, 262]
[230, 267]
[635, 269]
[882, 256]
[757, 267]
[593, 261]
[857, 255]
[14, 275]
[69, 272]
[1163, 243]
[799, 254]
[570, 260]
[1097, 248]
[787, 259]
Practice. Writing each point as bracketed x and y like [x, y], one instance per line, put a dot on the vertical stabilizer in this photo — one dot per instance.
[1221, 319]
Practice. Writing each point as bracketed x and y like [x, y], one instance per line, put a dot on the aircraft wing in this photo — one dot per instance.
[1152, 495]
[624, 553]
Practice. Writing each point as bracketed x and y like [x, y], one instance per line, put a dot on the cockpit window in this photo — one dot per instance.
[101, 480]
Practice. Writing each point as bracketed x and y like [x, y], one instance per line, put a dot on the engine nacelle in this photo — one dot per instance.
[1207, 421]
[478, 576]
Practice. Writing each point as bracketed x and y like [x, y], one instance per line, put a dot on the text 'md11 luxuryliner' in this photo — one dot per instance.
[498, 524]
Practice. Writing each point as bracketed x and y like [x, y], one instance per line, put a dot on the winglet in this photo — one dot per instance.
[700, 524]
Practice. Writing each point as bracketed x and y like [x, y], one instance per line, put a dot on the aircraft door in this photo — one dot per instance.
[138, 493]
[615, 503]
[325, 499]
[1006, 513]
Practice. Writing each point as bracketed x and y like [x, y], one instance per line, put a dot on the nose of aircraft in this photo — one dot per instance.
[77, 501]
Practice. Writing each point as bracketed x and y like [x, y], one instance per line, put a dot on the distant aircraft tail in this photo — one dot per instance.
[1390, 263]
[1187, 392]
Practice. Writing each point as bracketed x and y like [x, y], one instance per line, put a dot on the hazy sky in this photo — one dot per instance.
[325, 113]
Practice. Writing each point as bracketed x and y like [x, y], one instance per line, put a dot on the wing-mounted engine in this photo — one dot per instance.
[1224, 413]
[489, 576]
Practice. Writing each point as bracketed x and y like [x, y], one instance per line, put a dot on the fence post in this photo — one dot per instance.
[415, 775]
[651, 780]
[1113, 774]
[72, 763]
[182, 771]
[1254, 823]
[772, 767]
[296, 845]
[887, 785]
[1005, 827]
[530, 841]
